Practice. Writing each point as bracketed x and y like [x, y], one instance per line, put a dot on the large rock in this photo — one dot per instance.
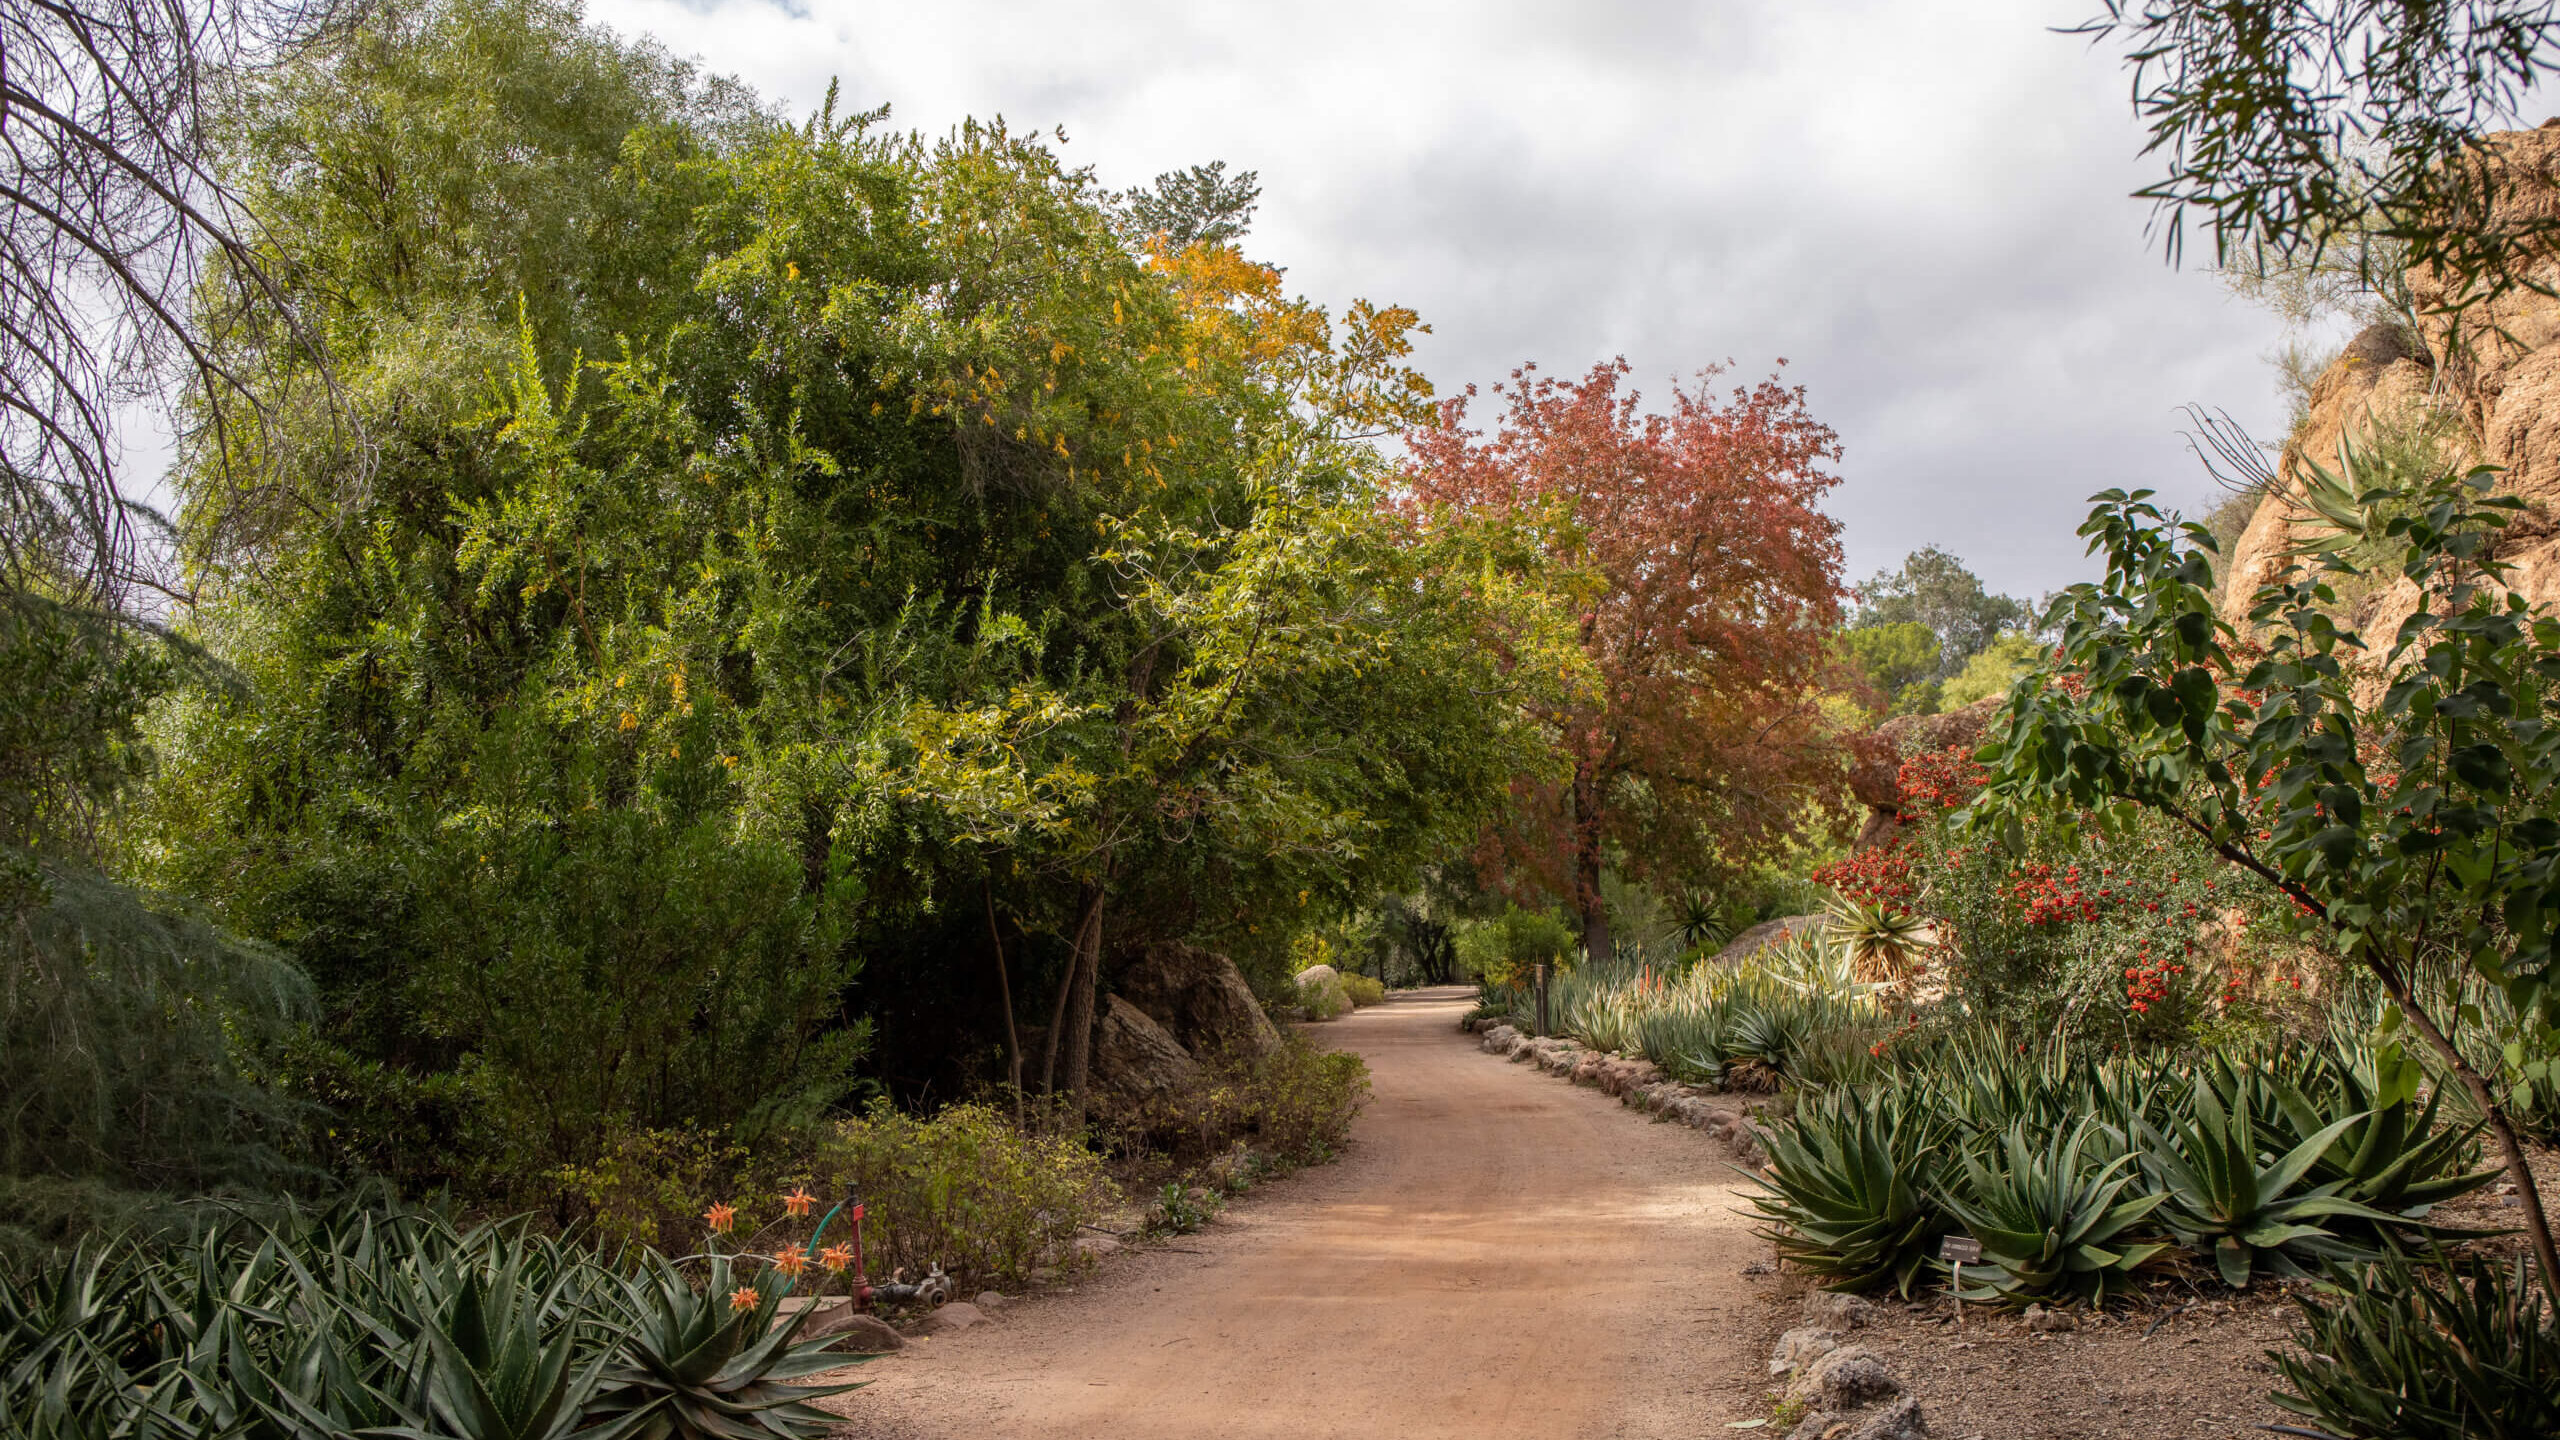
[855, 1330]
[1136, 1062]
[1767, 933]
[1320, 991]
[1200, 999]
[1845, 1379]
[1876, 778]
[2490, 368]
[949, 1319]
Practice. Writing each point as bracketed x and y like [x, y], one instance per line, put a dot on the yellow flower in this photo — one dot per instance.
[745, 1298]
[629, 721]
[720, 1218]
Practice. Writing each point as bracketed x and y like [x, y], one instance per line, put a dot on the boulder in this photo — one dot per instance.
[1321, 992]
[1835, 1311]
[1876, 777]
[856, 1331]
[1094, 1247]
[1845, 1379]
[1200, 998]
[2489, 368]
[1799, 1348]
[948, 1319]
[1897, 1421]
[991, 1301]
[1136, 1063]
[1766, 933]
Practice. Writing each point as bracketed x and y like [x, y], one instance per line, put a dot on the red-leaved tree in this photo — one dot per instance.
[1718, 587]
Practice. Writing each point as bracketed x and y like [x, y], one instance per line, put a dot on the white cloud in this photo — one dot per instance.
[1924, 207]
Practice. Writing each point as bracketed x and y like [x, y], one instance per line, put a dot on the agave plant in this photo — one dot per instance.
[1884, 945]
[2250, 1216]
[2393, 1157]
[712, 1364]
[2054, 1218]
[1851, 1189]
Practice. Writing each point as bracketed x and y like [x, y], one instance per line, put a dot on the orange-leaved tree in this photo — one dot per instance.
[1715, 589]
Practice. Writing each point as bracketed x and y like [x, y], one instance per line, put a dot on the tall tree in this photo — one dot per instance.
[110, 208]
[1714, 586]
[1934, 589]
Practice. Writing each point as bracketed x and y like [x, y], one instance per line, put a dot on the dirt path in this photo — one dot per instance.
[1497, 1254]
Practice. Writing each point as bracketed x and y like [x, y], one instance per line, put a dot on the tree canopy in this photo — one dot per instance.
[1712, 586]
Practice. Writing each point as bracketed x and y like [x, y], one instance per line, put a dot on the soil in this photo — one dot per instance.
[1497, 1253]
[1501, 1253]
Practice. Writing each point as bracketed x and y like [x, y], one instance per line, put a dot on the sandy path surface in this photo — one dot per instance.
[1497, 1254]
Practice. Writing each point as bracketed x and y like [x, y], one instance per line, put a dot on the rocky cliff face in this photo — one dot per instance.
[2494, 369]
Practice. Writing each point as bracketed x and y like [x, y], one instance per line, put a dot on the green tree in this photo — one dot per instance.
[777, 538]
[1895, 657]
[1935, 590]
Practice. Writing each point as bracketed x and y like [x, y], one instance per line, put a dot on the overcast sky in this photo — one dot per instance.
[1921, 206]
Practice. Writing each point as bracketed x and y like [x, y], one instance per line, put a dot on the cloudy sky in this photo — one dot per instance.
[1921, 206]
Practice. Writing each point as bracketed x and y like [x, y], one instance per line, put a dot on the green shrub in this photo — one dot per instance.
[651, 1187]
[2446, 1350]
[966, 1189]
[1851, 1189]
[1364, 989]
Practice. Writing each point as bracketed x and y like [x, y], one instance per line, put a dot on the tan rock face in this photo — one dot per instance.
[2376, 378]
[2495, 367]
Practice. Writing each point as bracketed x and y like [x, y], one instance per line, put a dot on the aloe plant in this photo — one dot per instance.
[2225, 1196]
[1850, 1192]
[2441, 1350]
[702, 1365]
[2054, 1218]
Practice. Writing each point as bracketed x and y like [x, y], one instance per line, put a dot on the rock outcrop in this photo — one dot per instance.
[1876, 780]
[1200, 998]
[2492, 370]
[1137, 1062]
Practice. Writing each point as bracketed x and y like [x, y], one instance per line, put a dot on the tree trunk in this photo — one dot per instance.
[1088, 972]
[1089, 914]
[1586, 865]
[1004, 992]
[2537, 1224]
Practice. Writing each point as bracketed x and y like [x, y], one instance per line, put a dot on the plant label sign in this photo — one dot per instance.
[1960, 1250]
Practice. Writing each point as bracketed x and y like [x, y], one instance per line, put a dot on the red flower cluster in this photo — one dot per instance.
[1880, 875]
[2147, 984]
[1940, 779]
[2049, 897]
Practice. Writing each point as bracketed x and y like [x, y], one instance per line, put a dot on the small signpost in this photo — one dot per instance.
[1959, 1251]
[1542, 997]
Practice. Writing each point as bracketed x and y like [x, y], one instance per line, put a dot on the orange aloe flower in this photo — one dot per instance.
[799, 1202]
[836, 1258]
[791, 1260]
[720, 1218]
[746, 1298]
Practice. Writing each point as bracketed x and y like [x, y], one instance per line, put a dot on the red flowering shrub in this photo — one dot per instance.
[2125, 934]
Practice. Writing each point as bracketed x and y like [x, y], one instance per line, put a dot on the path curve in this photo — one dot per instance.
[1498, 1253]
